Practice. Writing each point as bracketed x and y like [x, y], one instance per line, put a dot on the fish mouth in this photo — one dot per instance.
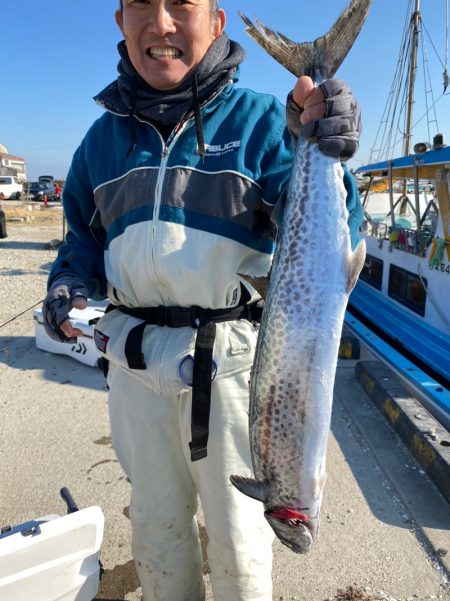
[294, 528]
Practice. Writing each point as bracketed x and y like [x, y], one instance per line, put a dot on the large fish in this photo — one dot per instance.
[313, 273]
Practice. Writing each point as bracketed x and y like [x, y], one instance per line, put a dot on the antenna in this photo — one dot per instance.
[446, 78]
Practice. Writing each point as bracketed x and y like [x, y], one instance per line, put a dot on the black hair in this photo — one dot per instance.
[214, 6]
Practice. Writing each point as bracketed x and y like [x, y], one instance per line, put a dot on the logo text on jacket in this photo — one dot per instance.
[217, 150]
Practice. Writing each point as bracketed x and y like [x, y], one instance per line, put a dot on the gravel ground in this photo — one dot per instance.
[26, 259]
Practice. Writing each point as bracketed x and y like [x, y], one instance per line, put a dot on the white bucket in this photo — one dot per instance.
[52, 558]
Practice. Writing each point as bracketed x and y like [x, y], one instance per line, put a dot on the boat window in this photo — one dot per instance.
[372, 272]
[407, 288]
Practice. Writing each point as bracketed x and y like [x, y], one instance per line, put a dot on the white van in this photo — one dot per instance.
[10, 187]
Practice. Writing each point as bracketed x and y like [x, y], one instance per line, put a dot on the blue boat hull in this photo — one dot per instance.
[411, 333]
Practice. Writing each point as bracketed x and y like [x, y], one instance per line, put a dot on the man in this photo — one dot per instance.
[168, 199]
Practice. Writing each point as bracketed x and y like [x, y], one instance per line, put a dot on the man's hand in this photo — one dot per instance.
[328, 114]
[65, 293]
[310, 100]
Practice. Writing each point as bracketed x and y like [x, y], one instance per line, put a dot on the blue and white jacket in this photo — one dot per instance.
[163, 226]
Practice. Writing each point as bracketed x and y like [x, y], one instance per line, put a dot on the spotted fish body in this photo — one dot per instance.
[291, 387]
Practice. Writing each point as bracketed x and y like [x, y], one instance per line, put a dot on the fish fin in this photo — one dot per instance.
[324, 55]
[356, 263]
[260, 284]
[252, 488]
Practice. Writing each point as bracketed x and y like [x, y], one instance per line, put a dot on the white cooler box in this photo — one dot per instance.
[53, 558]
[84, 349]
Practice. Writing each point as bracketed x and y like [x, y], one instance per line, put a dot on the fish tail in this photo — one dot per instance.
[321, 57]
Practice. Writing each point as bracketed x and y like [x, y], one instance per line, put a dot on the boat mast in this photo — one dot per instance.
[412, 77]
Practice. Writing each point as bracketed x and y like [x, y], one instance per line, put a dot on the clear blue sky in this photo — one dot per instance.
[57, 55]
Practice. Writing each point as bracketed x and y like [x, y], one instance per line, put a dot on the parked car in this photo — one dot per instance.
[37, 191]
[10, 187]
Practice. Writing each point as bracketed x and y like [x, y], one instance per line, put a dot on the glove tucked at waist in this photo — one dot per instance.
[337, 133]
[58, 302]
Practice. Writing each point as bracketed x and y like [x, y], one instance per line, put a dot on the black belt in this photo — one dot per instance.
[204, 320]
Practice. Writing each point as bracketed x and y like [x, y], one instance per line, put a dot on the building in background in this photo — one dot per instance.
[12, 165]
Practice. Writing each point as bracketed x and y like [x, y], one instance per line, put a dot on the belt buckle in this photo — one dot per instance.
[177, 317]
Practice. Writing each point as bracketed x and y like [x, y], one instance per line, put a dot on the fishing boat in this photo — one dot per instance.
[403, 294]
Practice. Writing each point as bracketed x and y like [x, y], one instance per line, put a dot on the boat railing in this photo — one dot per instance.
[377, 229]
[410, 240]
[403, 238]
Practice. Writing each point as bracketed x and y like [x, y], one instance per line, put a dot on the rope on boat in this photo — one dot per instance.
[391, 131]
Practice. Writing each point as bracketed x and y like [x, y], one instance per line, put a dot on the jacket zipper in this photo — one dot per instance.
[158, 193]
[166, 148]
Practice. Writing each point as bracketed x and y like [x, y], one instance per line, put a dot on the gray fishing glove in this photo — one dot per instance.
[337, 133]
[58, 302]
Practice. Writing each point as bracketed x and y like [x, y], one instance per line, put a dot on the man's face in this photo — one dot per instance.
[166, 39]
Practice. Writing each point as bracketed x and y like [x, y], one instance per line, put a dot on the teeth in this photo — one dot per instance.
[163, 52]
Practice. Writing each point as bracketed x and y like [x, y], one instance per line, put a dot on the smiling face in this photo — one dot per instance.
[166, 39]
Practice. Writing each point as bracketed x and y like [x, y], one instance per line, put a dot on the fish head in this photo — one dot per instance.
[294, 528]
